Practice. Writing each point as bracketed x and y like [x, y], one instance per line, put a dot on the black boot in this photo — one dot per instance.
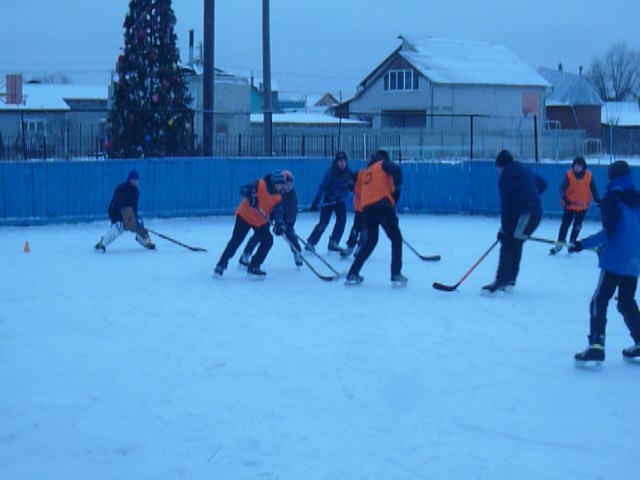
[256, 273]
[593, 356]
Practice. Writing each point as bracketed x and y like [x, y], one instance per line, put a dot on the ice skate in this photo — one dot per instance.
[256, 274]
[218, 271]
[495, 287]
[346, 252]
[297, 258]
[353, 279]
[557, 248]
[245, 258]
[590, 358]
[334, 247]
[100, 247]
[632, 354]
[310, 248]
[399, 280]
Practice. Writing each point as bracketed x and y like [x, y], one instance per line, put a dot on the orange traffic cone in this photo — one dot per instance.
[26, 247]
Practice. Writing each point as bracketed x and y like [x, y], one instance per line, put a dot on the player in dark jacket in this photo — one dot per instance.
[619, 260]
[260, 205]
[333, 191]
[289, 215]
[520, 215]
[381, 183]
[577, 189]
[123, 213]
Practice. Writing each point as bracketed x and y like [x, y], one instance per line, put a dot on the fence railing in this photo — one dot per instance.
[407, 144]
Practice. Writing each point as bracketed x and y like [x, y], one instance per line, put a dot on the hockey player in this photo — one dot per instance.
[289, 213]
[358, 233]
[123, 213]
[381, 183]
[576, 191]
[262, 202]
[333, 191]
[520, 212]
[619, 260]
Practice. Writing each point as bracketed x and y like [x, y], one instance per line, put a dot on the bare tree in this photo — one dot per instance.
[616, 77]
[57, 78]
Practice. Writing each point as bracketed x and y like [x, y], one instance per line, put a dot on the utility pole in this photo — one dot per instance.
[208, 78]
[266, 79]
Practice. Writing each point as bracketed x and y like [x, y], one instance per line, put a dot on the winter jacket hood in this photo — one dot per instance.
[619, 238]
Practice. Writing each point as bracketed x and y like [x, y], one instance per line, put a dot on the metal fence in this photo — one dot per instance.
[405, 144]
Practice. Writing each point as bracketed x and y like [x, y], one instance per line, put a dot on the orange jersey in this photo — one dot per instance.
[376, 185]
[266, 203]
[578, 191]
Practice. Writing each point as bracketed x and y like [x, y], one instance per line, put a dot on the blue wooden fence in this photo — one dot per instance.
[46, 192]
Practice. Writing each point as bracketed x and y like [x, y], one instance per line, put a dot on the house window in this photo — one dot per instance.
[34, 127]
[400, 80]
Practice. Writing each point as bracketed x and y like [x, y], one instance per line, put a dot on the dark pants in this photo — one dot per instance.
[358, 233]
[511, 250]
[240, 230]
[380, 215]
[289, 232]
[340, 210]
[627, 306]
[569, 216]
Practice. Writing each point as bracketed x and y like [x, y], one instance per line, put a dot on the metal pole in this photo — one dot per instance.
[208, 79]
[535, 133]
[471, 149]
[266, 79]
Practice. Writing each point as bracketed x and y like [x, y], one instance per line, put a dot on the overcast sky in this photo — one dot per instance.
[316, 45]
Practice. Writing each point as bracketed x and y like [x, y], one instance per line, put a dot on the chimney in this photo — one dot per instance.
[560, 69]
[191, 47]
[580, 69]
[14, 88]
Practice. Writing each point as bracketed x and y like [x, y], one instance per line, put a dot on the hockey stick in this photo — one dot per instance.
[316, 254]
[541, 240]
[326, 278]
[173, 240]
[425, 258]
[451, 288]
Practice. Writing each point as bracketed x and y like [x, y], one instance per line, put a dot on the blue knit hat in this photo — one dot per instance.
[133, 175]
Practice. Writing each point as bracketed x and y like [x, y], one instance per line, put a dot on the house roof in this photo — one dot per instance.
[47, 96]
[620, 114]
[569, 89]
[299, 118]
[463, 62]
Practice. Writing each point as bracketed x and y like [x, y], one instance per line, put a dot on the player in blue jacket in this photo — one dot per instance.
[618, 244]
[333, 191]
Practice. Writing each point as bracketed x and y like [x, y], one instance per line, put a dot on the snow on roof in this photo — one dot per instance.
[48, 96]
[620, 114]
[291, 97]
[304, 119]
[465, 62]
[569, 89]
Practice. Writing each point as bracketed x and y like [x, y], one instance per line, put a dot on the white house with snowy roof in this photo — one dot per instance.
[440, 84]
[57, 120]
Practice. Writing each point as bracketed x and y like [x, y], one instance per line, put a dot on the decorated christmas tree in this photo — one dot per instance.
[149, 116]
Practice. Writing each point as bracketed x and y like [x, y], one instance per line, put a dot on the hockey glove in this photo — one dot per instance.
[253, 198]
[576, 247]
[278, 229]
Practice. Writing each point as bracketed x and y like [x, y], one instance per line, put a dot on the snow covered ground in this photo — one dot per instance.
[139, 365]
